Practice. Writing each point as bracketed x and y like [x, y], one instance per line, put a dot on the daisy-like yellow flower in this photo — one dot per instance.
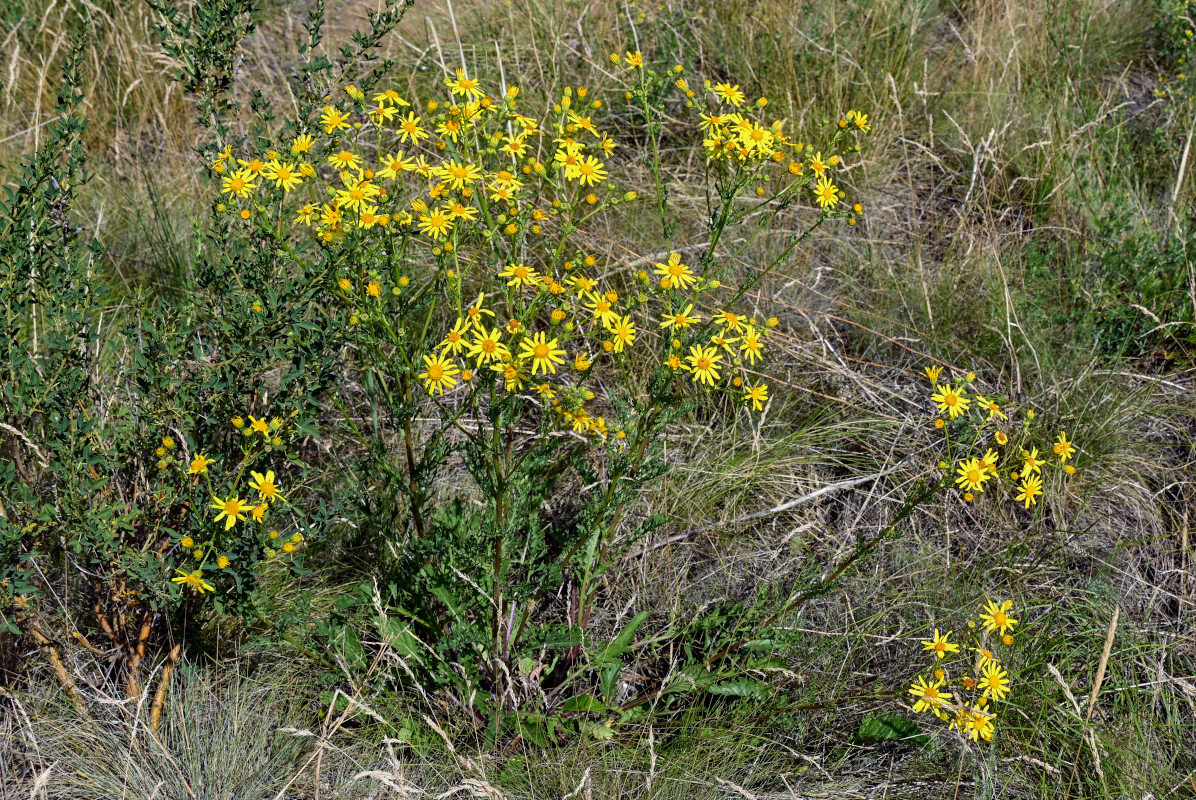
[1030, 490]
[939, 645]
[587, 170]
[438, 374]
[454, 341]
[265, 486]
[995, 682]
[1063, 448]
[395, 165]
[860, 119]
[284, 174]
[544, 353]
[633, 60]
[602, 309]
[756, 396]
[391, 97]
[674, 274]
[972, 474]
[703, 364]
[1032, 462]
[826, 194]
[817, 165]
[199, 465]
[520, 276]
[976, 724]
[486, 346]
[990, 406]
[749, 344]
[410, 130]
[232, 510]
[622, 333]
[458, 175]
[681, 320]
[513, 377]
[996, 617]
[729, 94]
[334, 120]
[1001, 438]
[301, 144]
[238, 184]
[931, 697]
[259, 425]
[463, 85]
[258, 512]
[436, 224]
[476, 314]
[985, 657]
[932, 373]
[344, 159]
[382, 113]
[730, 321]
[194, 580]
[950, 399]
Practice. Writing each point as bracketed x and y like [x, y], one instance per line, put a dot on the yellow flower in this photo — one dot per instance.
[438, 374]
[265, 486]
[681, 320]
[238, 184]
[1032, 462]
[454, 340]
[194, 580]
[1063, 448]
[930, 697]
[757, 396]
[972, 475]
[996, 617]
[1029, 490]
[437, 224]
[587, 170]
[622, 333]
[675, 274]
[543, 353]
[703, 364]
[729, 94]
[950, 399]
[464, 85]
[749, 344]
[993, 409]
[410, 130]
[826, 194]
[333, 120]
[259, 425]
[933, 373]
[519, 275]
[634, 60]
[222, 561]
[199, 464]
[995, 682]
[860, 119]
[986, 657]
[939, 645]
[231, 510]
[486, 346]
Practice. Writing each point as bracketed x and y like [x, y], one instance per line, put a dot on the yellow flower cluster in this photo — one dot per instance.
[972, 414]
[463, 177]
[968, 703]
[231, 509]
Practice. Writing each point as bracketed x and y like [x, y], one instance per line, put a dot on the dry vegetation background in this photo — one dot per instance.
[1026, 218]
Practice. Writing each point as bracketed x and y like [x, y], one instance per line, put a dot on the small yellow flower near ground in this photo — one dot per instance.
[950, 399]
[231, 509]
[932, 373]
[996, 617]
[1030, 490]
[265, 486]
[757, 396]
[931, 697]
[194, 580]
[939, 645]
[199, 465]
[438, 374]
[1063, 448]
[972, 475]
[222, 561]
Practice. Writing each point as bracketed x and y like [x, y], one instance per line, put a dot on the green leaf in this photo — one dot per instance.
[740, 687]
[585, 702]
[889, 728]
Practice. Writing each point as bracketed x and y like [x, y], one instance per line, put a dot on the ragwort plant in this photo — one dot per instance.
[444, 235]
